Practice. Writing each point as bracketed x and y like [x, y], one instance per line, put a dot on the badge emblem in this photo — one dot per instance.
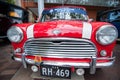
[56, 32]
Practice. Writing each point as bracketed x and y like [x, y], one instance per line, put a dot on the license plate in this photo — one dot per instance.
[55, 71]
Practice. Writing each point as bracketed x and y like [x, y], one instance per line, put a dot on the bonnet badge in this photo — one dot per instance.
[56, 32]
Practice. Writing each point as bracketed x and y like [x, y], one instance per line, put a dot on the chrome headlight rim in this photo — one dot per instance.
[102, 28]
[20, 32]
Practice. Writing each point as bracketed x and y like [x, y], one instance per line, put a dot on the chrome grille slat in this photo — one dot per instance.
[63, 56]
[61, 53]
[63, 48]
[61, 43]
[60, 47]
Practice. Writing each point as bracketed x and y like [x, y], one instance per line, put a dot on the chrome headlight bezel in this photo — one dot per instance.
[15, 34]
[106, 34]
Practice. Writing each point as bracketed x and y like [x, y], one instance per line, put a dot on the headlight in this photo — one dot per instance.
[106, 34]
[15, 34]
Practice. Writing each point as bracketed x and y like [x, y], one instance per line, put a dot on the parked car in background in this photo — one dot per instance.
[9, 15]
[5, 24]
[64, 41]
[112, 16]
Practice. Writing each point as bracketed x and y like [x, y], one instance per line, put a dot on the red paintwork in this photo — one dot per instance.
[69, 28]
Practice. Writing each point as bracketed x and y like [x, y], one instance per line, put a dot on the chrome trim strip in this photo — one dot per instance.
[18, 59]
[59, 38]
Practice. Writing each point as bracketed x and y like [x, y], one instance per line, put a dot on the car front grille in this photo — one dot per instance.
[60, 47]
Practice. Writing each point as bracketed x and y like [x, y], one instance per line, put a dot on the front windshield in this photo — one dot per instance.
[64, 14]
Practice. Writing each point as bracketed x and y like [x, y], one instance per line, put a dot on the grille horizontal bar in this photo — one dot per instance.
[60, 47]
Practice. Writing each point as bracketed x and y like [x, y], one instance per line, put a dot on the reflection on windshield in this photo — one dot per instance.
[65, 16]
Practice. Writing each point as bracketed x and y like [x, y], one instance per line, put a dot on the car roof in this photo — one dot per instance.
[65, 7]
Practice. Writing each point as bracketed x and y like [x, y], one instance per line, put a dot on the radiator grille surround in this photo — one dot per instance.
[60, 47]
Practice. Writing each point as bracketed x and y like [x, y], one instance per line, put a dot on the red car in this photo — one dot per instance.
[64, 41]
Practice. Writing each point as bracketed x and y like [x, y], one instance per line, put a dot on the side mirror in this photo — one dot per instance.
[35, 21]
[91, 20]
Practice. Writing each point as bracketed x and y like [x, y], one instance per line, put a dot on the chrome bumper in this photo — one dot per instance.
[92, 65]
[79, 65]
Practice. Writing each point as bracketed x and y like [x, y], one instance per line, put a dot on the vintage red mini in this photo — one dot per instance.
[65, 40]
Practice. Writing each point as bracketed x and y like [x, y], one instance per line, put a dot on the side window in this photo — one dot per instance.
[45, 17]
